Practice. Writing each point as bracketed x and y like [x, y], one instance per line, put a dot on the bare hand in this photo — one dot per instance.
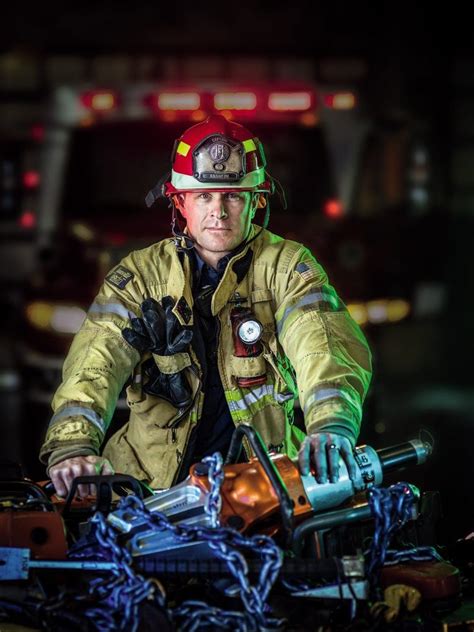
[63, 473]
[323, 449]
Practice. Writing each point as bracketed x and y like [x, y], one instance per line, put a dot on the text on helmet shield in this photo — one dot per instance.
[219, 159]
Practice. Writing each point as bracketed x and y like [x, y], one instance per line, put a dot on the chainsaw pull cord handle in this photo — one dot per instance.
[255, 440]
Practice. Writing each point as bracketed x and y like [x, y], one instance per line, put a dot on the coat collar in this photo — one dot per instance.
[232, 278]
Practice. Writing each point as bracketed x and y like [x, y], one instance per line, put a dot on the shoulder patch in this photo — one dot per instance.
[119, 277]
[308, 270]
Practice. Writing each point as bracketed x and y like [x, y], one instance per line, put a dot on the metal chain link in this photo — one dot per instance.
[414, 554]
[223, 541]
[121, 594]
[213, 503]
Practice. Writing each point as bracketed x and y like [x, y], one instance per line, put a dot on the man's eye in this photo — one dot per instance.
[233, 196]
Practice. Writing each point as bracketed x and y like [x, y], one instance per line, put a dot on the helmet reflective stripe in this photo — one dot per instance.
[249, 145]
[183, 148]
[252, 180]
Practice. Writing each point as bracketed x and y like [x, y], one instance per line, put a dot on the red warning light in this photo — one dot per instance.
[31, 179]
[27, 219]
[333, 209]
[37, 132]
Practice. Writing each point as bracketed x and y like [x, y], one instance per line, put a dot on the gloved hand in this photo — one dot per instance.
[160, 332]
[323, 449]
[148, 333]
[177, 336]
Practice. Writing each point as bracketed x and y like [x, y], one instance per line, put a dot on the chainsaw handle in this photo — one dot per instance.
[256, 443]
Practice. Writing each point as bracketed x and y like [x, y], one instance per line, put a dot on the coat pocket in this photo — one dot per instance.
[248, 372]
[151, 410]
[284, 378]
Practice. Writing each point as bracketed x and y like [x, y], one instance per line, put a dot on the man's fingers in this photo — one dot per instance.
[325, 450]
[320, 459]
[347, 455]
[59, 484]
[64, 473]
[333, 461]
[304, 456]
[68, 477]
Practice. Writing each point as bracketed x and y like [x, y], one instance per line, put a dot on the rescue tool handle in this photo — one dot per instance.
[105, 486]
[256, 443]
[404, 454]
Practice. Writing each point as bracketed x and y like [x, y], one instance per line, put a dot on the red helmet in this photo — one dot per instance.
[217, 154]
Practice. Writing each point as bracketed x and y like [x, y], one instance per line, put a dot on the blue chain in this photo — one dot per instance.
[391, 508]
[215, 474]
[121, 594]
[126, 590]
[415, 554]
[253, 597]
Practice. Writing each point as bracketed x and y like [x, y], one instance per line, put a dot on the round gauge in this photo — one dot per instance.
[250, 331]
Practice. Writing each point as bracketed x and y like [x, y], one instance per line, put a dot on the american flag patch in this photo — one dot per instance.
[308, 270]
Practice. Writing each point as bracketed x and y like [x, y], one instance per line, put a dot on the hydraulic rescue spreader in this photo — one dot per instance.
[267, 495]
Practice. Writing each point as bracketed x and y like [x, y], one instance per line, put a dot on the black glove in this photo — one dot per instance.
[148, 333]
[177, 336]
[160, 332]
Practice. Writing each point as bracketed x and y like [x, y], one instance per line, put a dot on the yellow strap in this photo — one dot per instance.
[183, 148]
[249, 145]
[173, 363]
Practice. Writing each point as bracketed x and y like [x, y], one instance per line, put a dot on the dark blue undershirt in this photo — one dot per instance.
[215, 427]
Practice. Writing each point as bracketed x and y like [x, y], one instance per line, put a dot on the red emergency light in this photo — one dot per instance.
[333, 209]
[100, 100]
[31, 179]
[37, 132]
[272, 103]
[27, 219]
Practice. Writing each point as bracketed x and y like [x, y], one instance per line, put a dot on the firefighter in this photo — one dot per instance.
[224, 323]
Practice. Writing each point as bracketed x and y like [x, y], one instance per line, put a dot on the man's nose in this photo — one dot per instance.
[218, 209]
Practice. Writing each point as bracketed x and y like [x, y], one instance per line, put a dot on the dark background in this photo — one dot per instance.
[414, 67]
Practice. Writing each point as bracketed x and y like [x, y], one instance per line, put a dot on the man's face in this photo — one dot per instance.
[217, 221]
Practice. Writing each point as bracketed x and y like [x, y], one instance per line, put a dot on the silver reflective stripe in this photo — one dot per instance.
[256, 395]
[72, 411]
[309, 299]
[112, 308]
[324, 394]
[253, 179]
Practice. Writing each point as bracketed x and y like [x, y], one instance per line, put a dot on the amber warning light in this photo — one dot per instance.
[178, 101]
[290, 101]
[340, 101]
[100, 100]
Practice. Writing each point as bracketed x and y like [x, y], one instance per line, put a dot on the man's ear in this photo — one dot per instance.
[258, 201]
[178, 201]
[262, 201]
